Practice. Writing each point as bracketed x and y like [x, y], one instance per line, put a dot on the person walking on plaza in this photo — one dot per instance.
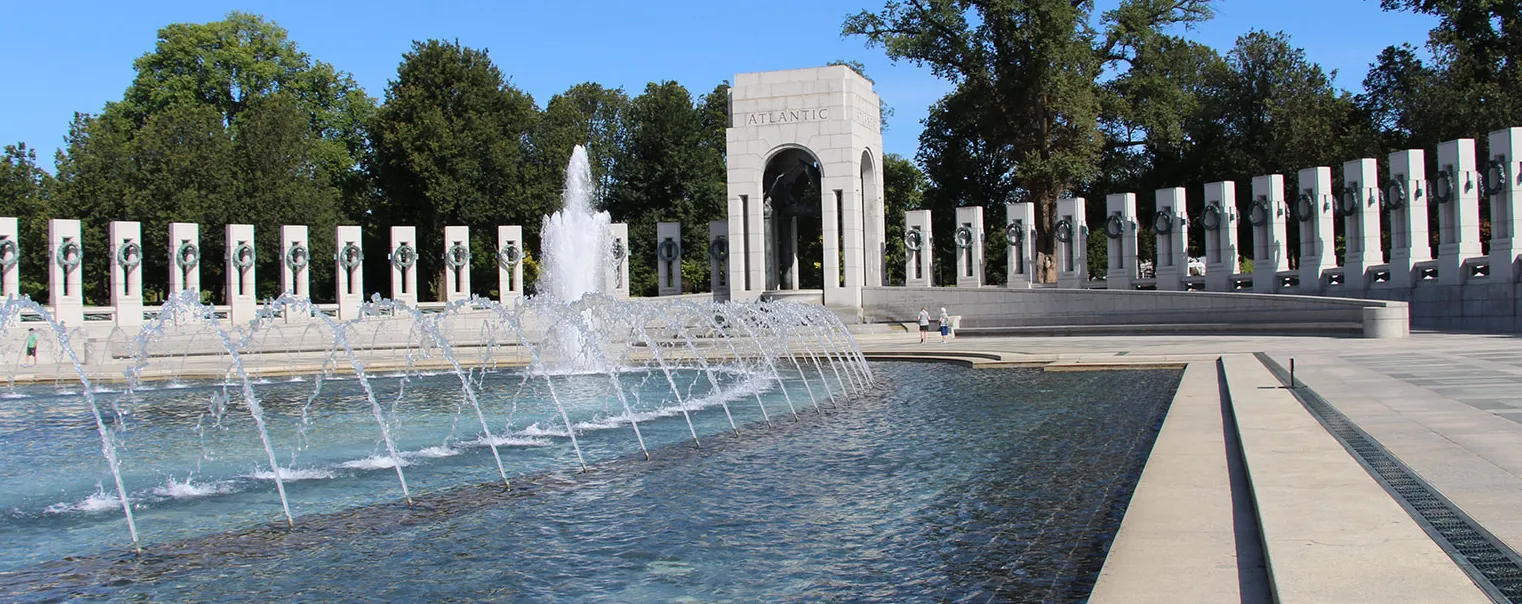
[31, 348]
[945, 322]
[924, 323]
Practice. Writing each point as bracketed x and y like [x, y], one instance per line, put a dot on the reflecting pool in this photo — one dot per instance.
[939, 481]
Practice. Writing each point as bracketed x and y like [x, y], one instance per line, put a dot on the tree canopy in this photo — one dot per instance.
[452, 147]
[1022, 122]
[226, 122]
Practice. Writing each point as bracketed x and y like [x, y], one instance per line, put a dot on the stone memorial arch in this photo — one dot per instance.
[805, 186]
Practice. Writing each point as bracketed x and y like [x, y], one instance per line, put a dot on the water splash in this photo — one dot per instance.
[577, 247]
[10, 314]
[576, 242]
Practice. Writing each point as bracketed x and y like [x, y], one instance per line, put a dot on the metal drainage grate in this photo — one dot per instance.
[1493, 566]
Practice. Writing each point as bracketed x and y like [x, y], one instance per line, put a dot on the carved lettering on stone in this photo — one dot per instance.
[771, 118]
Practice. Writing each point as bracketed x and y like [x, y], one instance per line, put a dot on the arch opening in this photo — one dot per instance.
[792, 195]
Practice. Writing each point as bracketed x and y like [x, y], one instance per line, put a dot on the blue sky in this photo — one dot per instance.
[66, 57]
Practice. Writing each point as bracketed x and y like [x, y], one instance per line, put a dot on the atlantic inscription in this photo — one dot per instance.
[769, 118]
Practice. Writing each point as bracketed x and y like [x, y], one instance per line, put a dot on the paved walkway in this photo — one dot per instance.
[1449, 406]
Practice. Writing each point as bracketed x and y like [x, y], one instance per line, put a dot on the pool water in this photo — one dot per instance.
[942, 482]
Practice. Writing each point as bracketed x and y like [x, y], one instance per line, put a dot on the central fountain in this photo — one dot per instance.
[576, 242]
[577, 246]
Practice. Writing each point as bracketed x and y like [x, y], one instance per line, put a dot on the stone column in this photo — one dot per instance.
[829, 227]
[968, 239]
[919, 255]
[242, 300]
[349, 272]
[1120, 241]
[1455, 190]
[1267, 215]
[10, 258]
[184, 258]
[1219, 218]
[789, 279]
[1171, 226]
[295, 261]
[1072, 254]
[403, 260]
[1313, 214]
[1505, 194]
[718, 259]
[747, 270]
[509, 264]
[668, 258]
[65, 265]
[456, 264]
[1360, 219]
[1406, 199]
[127, 272]
[618, 276]
[1020, 237]
[874, 223]
[853, 255]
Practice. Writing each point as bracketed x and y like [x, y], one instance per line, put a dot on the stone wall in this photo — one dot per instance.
[1043, 307]
[1477, 305]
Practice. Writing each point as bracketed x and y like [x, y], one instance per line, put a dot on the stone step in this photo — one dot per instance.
[871, 328]
[1188, 534]
[850, 315]
[1330, 532]
[1318, 329]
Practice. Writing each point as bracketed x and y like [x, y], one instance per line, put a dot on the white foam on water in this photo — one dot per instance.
[433, 452]
[294, 474]
[510, 441]
[188, 489]
[374, 462]
[536, 430]
[94, 504]
[753, 384]
[606, 423]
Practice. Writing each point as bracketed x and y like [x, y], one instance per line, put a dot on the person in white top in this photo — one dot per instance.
[945, 322]
[924, 323]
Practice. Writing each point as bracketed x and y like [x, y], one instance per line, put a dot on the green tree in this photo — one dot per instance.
[903, 190]
[1192, 117]
[671, 170]
[1022, 121]
[229, 64]
[1476, 47]
[278, 177]
[174, 167]
[1276, 112]
[452, 147]
[589, 115]
[1471, 86]
[26, 187]
[226, 122]
[1399, 99]
[1272, 111]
